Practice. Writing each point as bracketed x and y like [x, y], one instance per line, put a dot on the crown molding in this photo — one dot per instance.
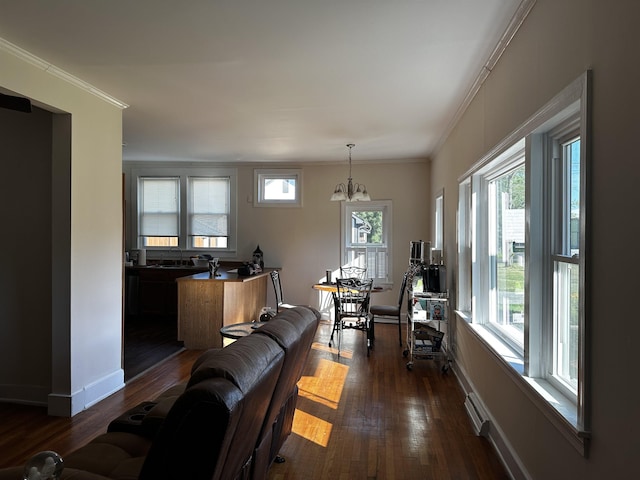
[514, 25]
[58, 73]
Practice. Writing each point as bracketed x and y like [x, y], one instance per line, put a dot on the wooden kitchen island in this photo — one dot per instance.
[206, 303]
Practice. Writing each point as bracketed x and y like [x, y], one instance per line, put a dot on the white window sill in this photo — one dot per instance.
[560, 410]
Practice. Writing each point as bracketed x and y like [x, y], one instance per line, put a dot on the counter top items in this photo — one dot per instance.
[201, 260]
[258, 257]
[214, 265]
[249, 269]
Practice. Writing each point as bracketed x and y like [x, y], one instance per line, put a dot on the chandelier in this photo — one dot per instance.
[352, 192]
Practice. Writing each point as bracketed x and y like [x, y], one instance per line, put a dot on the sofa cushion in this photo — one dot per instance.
[212, 428]
[240, 362]
[116, 455]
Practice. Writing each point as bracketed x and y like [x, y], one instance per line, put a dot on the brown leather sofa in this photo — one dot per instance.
[227, 422]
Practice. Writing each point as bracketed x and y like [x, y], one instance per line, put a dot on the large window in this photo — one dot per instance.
[366, 229]
[190, 209]
[521, 235]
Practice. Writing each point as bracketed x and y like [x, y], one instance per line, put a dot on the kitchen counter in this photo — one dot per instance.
[152, 289]
[226, 276]
[207, 303]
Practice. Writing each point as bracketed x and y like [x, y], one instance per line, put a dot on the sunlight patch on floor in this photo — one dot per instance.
[311, 428]
[325, 386]
[325, 348]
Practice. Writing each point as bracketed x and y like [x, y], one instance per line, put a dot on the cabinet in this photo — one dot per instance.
[206, 304]
[427, 314]
[156, 291]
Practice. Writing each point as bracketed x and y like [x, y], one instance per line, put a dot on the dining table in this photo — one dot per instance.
[332, 287]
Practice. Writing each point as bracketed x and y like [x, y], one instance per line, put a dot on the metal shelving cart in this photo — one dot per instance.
[426, 312]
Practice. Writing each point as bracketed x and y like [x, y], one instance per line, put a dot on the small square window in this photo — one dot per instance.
[277, 188]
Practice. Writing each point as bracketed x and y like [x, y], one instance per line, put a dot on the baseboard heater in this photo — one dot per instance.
[478, 416]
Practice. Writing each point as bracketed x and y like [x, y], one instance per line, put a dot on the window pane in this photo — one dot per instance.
[159, 214]
[280, 189]
[572, 153]
[566, 286]
[566, 309]
[439, 222]
[210, 242]
[209, 213]
[366, 227]
[159, 241]
[365, 241]
[506, 253]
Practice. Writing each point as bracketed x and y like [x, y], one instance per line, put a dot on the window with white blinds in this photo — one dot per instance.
[159, 210]
[209, 211]
[189, 208]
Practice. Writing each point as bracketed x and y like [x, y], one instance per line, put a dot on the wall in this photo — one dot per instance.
[69, 320]
[25, 298]
[557, 42]
[305, 241]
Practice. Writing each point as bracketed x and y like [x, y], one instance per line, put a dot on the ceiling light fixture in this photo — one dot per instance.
[351, 192]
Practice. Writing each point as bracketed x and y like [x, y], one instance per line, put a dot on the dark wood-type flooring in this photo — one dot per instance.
[358, 417]
[148, 340]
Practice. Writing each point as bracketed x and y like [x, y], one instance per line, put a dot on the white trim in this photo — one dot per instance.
[514, 25]
[59, 73]
[261, 174]
[536, 390]
[386, 206]
[140, 170]
[571, 420]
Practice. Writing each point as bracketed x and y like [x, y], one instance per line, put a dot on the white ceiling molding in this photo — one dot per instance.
[516, 21]
[57, 72]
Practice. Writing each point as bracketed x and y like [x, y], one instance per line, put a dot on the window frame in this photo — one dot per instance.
[346, 211]
[262, 175]
[174, 214]
[568, 113]
[438, 224]
[508, 161]
[191, 181]
[183, 174]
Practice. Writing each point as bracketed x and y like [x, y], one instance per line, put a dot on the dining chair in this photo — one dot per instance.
[353, 271]
[352, 301]
[392, 310]
[277, 287]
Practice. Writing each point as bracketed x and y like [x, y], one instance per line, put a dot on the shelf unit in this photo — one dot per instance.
[426, 314]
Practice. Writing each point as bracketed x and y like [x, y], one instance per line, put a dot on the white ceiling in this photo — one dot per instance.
[271, 80]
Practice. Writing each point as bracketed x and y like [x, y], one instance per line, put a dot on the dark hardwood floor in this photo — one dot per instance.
[357, 417]
[148, 340]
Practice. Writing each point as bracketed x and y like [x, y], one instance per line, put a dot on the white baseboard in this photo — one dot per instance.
[61, 405]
